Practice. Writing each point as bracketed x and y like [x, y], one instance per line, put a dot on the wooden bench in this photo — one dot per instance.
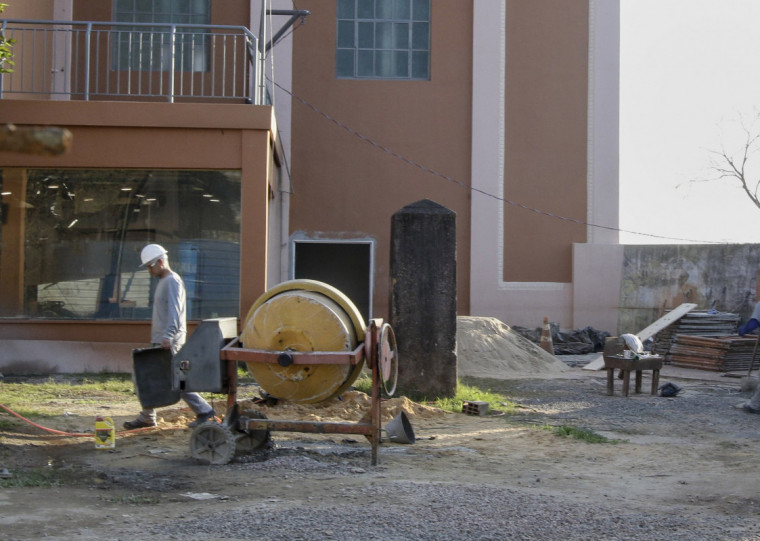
[626, 366]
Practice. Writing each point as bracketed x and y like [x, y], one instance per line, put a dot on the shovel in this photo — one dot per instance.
[749, 383]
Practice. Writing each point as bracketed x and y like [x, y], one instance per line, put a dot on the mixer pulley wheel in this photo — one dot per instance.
[213, 443]
[387, 357]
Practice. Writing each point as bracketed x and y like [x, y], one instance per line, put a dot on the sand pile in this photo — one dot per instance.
[487, 348]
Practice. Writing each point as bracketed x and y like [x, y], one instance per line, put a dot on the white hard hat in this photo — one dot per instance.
[152, 253]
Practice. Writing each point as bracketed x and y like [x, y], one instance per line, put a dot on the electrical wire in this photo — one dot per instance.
[433, 172]
[271, 39]
[70, 434]
[51, 430]
[271, 79]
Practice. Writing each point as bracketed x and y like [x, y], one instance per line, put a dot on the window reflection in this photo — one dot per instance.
[83, 231]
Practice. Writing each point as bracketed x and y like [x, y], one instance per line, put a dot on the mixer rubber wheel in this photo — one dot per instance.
[250, 440]
[213, 443]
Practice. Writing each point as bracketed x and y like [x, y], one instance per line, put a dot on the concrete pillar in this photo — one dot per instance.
[424, 298]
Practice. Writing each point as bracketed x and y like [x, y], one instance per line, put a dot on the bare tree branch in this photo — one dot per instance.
[737, 167]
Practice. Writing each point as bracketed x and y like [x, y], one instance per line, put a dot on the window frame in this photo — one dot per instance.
[383, 39]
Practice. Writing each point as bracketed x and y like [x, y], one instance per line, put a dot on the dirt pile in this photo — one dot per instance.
[350, 407]
[488, 348]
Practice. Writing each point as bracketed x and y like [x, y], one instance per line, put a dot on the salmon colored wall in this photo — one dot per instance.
[89, 331]
[344, 187]
[227, 12]
[546, 135]
[29, 9]
[12, 242]
[257, 162]
[92, 10]
[114, 134]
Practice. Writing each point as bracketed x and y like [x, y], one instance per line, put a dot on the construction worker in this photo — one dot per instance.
[753, 323]
[753, 404]
[168, 329]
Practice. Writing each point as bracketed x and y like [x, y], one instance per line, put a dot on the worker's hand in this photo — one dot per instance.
[166, 343]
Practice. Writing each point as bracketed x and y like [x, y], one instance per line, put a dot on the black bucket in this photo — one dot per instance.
[152, 369]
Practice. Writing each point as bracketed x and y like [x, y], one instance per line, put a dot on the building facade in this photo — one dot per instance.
[509, 118]
[256, 164]
[170, 145]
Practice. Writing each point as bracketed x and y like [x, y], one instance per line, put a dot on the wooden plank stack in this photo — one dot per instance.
[720, 354]
[696, 323]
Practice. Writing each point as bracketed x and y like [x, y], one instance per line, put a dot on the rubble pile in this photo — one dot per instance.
[572, 342]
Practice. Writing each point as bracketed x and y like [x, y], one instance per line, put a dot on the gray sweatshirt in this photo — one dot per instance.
[169, 311]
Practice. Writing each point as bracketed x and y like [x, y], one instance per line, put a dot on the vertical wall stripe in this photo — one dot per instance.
[590, 121]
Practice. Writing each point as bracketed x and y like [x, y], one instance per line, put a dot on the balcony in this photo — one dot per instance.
[81, 60]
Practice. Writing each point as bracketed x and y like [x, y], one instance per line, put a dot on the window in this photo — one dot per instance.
[149, 48]
[81, 233]
[383, 39]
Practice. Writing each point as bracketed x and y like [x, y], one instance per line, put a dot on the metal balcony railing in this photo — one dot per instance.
[127, 61]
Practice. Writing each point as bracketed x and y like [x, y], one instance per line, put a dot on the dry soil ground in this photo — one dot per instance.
[683, 468]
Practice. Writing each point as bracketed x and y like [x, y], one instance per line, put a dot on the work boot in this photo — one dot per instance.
[202, 418]
[750, 409]
[137, 423]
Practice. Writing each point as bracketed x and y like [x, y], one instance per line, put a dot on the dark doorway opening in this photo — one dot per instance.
[346, 266]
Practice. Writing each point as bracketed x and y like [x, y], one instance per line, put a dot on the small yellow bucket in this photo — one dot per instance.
[105, 433]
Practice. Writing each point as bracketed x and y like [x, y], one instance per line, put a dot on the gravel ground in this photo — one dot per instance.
[407, 509]
[441, 511]
[504, 480]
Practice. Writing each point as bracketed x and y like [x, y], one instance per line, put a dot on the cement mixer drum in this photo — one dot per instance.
[303, 315]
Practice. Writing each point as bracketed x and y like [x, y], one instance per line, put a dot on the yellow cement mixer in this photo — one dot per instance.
[303, 316]
[304, 341]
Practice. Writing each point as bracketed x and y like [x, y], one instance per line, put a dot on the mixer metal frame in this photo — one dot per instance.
[216, 443]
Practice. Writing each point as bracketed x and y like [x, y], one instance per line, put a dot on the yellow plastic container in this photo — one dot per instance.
[105, 433]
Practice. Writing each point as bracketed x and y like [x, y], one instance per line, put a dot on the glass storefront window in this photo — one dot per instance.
[83, 231]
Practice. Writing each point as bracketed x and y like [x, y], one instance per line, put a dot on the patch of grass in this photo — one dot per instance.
[38, 477]
[582, 434]
[464, 393]
[243, 374]
[41, 397]
[7, 424]
[469, 393]
[730, 444]
[363, 383]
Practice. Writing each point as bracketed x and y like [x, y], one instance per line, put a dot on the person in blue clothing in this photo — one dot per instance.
[753, 323]
[168, 329]
[753, 404]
